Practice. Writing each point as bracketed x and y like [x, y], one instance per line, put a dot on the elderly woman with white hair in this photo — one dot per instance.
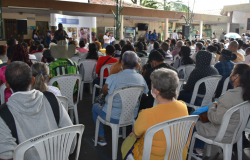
[164, 90]
[127, 77]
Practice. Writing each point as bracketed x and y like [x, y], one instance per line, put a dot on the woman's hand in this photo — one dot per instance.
[131, 134]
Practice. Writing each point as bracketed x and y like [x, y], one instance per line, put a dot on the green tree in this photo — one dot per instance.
[150, 4]
[175, 6]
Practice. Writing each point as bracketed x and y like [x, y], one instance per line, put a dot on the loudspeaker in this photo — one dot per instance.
[185, 30]
[21, 25]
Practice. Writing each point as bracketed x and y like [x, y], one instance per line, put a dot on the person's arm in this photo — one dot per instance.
[216, 112]
[105, 89]
[140, 125]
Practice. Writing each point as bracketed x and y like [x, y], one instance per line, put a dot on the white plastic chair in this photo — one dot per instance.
[67, 84]
[187, 69]
[130, 96]
[65, 101]
[54, 145]
[39, 56]
[244, 110]
[176, 57]
[179, 128]
[87, 70]
[144, 60]
[211, 83]
[181, 81]
[2, 89]
[168, 61]
[33, 61]
[76, 59]
[108, 67]
[225, 85]
[240, 62]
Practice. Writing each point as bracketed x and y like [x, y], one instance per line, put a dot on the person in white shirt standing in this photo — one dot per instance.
[197, 36]
[112, 38]
[240, 42]
[226, 43]
[151, 45]
[174, 35]
[106, 39]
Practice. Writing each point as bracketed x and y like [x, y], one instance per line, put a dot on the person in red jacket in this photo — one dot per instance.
[103, 60]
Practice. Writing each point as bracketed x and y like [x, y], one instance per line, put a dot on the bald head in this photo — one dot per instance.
[233, 46]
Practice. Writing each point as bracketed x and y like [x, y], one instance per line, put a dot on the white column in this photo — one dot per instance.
[53, 19]
[166, 29]
[228, 27]
[201, 27]
[121, 30]
[93, 26]
[174, 26]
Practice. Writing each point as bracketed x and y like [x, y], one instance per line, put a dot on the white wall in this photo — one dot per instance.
[219, 29]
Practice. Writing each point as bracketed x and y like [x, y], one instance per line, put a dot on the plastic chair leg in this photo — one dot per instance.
[97, 125]
[91, 87]
[124, 132]
[81, 90]
[227, 152]
[208, 151]
[71, 114]
[115, 133]
[93, 96]
[239, 148]
[76, 114]
[191, 148]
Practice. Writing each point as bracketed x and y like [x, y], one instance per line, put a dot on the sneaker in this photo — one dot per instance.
[100, 142]
[196, 155]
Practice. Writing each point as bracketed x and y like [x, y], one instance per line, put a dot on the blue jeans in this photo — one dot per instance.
[105, 45]
[99, 112]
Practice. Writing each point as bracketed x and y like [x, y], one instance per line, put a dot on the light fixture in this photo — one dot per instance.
[31, 8]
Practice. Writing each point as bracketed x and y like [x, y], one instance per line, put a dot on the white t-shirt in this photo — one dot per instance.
[69, 34]
[112, 39]
[174, 36]
[48, 34]
[107, 41]
[35, 36]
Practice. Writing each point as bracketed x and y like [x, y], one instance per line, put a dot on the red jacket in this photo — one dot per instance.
[100, 62]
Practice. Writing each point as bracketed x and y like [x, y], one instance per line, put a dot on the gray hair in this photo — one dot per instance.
[41, 73]
[180, 44]
[130, 59]
[166, 82]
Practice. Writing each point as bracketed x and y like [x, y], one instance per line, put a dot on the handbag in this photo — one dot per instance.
[100, 99]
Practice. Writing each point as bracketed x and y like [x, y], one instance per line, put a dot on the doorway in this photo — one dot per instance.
[42, 26]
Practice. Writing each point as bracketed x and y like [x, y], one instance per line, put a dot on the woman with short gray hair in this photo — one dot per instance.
[164, 90]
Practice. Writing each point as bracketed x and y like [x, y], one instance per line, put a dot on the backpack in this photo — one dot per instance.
[70, 68]
[9, 119]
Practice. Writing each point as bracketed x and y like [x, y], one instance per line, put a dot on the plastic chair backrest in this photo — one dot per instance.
[54, 145]
[144, 60]
[33, 61]
[225, 85]
[108, 67]
[176, 132]
[2, 89]
[67, 84]
[176, 57]
[87, 69]
[187, 69]
[168, 61]
[240, 62]
[129, 98]
[65, 101]
[39, 56]
[76, 59]
[211, 83]
[244, 109]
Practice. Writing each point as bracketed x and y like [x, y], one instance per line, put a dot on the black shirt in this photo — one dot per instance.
[58, 36]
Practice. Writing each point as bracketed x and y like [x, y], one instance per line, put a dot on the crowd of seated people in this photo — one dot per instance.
[159, 78]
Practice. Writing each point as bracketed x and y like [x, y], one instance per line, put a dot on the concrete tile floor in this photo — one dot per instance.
[90, 152]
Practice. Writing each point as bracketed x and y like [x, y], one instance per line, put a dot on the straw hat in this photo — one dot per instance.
[62, 50]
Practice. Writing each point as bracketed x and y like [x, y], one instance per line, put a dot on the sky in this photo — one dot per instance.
[200, 5]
